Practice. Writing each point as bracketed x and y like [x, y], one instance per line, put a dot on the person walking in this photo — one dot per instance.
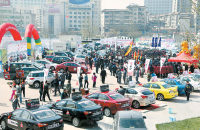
[13, 90]
[110, 68]
[90, 62]
[64, 94]
[46, 91]
[19, 92]
[137, 75]
[103, 76]
[94, 79]
[188, 90]
[80, 79]
[23, 87]
[86, 80]
[97, 65]
[56, 85]
[15, 102]
[41, 90]
[62, 78]
[69, 87]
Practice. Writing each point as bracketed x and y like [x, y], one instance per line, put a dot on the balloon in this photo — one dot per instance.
[12, 29]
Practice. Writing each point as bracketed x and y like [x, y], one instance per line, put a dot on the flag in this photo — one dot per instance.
[141, 56]
[129, 49]
[153, 42]
[135, 55]
[159, 43]
[138, 54]
[156, 42]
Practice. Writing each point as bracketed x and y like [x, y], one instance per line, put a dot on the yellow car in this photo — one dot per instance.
[162, 90]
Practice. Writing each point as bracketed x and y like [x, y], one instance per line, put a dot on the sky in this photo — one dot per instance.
[119, 4]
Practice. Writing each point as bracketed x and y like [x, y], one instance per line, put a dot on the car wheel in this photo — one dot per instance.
[107, 112]
[36, 84]
[4, 125]
[76, 122]
[136, 104]
[160, 97]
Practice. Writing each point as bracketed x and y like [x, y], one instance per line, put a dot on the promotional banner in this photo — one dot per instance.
[17, 51]
[162, 61]
[131, 66]
[147, 65]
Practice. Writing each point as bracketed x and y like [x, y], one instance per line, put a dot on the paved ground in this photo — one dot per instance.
[180, 106]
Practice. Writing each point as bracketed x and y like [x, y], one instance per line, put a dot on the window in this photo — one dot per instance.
[93, 96]
[61, 104]
[147, 85]
[25, 115]
[103, 97]
[74, 65]
[131, 91]
[71, 104]
[16, 113]
[156, 86]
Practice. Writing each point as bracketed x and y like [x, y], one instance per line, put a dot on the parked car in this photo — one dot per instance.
[60, 54]
[111, 102]
[27, 70]
[79, 58]
[129, 120]
[162, 90]
[175, 82]
[77, 110]
[194, 81]
[49, 57]
[71, 67]
[60, 59]
[36, 77]
[139, 96]
[47, 64]
[70, 54]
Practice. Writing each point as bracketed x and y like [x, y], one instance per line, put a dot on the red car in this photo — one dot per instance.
[111, 102]
[71, 66]
[49, 57]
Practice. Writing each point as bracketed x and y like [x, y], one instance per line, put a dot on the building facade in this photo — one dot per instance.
[158, 7]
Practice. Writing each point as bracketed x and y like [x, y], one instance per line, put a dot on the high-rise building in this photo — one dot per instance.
[158, 7]
[182, 6]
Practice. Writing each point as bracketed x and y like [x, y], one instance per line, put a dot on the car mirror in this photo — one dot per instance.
[144, 117]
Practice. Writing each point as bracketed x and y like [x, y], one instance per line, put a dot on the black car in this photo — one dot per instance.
[60, 59]
[78, 110]
[129, 120]
[31, 118]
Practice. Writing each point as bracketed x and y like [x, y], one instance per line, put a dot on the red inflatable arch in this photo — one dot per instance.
[12, 29]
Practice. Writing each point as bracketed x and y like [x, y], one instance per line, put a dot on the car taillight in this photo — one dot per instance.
[143, 96]
[87, 113]
[57, 100]
[61, 121]
[31, 78]
[42, 124]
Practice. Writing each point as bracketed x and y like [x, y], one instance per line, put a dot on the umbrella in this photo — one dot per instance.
[183, 58]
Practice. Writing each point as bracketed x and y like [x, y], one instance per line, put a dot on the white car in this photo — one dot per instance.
[47, 64]
[36, 77]
[192, 80]
[79, 58]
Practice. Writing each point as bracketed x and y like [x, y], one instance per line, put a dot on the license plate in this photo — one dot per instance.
[53, 125]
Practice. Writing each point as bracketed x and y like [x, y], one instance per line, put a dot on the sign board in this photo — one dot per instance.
[131, 66]
[32, 103]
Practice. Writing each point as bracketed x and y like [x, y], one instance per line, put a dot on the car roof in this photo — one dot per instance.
[35, 109]
[129, 114]
[39, 71]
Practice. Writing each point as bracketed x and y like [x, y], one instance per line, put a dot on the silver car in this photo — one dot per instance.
[140, 96]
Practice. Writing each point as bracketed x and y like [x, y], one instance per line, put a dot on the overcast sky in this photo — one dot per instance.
[119, 4]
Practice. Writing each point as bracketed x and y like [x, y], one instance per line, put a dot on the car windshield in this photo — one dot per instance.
[166, 85]
[44, 114]
[49, 56]
[87, 104]
[132, 123]
[116, 96]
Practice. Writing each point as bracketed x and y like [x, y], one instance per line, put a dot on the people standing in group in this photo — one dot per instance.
[19, 92]
[62, 78]
[13, 86]
[15, 102]
[46, 91]
[94, 79]
[56, 85]
[23, 87]
[103, 76]
[41, 90]
[64, 94]
[86, 81]
[188, 90]
[80, 79]
[125, 75]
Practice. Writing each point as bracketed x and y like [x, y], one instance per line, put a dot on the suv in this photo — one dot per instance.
[36, 77]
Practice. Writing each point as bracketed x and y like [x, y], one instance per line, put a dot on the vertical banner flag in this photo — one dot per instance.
[162, 61]
[156, 42]
[147, 65]
[153, 42]
[131, 66]
[159, 44]
[129, 49]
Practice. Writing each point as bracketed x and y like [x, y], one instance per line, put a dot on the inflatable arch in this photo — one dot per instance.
[30, 30]
[12, 29]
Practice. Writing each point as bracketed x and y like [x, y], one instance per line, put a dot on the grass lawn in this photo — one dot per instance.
[188, 124]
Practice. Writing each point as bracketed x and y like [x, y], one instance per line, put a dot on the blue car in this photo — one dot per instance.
[175, 82]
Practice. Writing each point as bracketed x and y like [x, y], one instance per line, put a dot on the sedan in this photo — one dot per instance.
[79, 58]
[71, 67]
[47, 64]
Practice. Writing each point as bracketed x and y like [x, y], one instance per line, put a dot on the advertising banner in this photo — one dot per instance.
[17, 51]
[162, 61]
[131, 66]
[147, 65]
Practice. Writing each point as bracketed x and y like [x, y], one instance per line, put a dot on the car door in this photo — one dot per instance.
[58, 108]
[94, 97]
[13, 122]
[103, 100]
[74, 67]
[156, 89]
[70, 110]
[26, 120]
